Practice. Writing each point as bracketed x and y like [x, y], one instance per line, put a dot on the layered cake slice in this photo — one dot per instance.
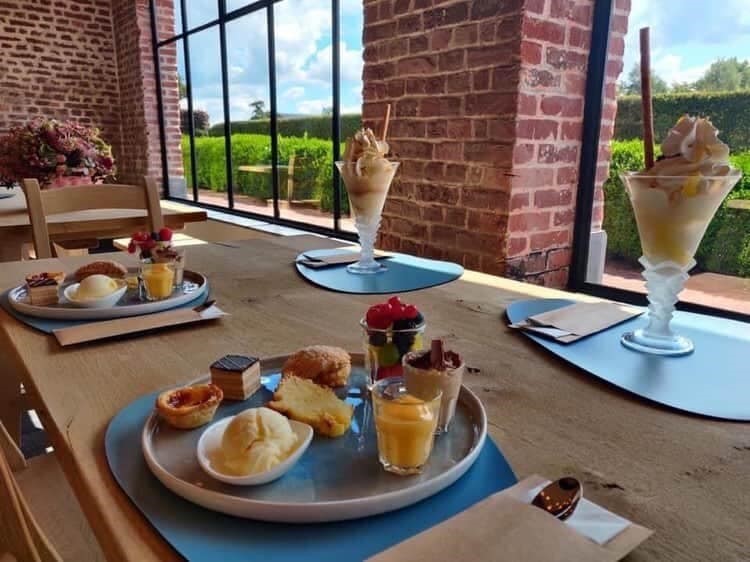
[237, 375]
[42, 288]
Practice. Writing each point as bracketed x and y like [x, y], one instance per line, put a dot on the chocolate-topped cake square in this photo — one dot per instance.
[237, 375]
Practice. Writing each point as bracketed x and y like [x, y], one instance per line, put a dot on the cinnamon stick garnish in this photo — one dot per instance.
[647, 107]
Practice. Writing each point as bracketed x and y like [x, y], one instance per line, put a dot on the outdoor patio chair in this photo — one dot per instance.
[40, 518]
[42, 204]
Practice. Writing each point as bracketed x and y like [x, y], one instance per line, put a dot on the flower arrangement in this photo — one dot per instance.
[46, 149]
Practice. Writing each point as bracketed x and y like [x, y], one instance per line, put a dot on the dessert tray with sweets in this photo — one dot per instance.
[117, 293]
[336, 476]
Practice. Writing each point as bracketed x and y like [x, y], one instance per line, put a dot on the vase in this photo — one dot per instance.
[59, 182]
[672, 214]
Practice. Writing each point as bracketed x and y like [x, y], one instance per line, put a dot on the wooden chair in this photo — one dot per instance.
[39, 491]
[41, 204]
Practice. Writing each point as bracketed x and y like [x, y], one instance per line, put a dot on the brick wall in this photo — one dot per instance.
[57, 59]
[488, 100]
[89, 61]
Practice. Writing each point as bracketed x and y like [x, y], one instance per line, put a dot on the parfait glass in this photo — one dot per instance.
[367, 193]
[672, 214]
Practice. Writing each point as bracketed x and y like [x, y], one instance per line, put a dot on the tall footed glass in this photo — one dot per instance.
[672, 214]
[367, 193]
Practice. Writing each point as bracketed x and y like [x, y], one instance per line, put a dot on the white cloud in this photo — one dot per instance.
[314, 107]
[671, 68]
[294, 93]
[320, 66]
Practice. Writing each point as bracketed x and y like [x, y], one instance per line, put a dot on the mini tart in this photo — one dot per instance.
[190, 406]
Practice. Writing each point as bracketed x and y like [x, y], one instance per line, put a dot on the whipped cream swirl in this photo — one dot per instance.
[692, 147]
[367, 152]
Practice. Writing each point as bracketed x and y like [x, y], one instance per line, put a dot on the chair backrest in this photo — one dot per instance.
[22, 539]
[41, 204]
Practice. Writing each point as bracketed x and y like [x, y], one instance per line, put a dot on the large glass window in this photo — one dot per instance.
[267, 91]
[701, 67]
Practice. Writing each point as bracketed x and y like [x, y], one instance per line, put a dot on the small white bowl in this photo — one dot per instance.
[104, 302]
[210, 441]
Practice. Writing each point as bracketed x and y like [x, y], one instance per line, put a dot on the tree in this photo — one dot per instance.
[259, 110]
[181, 87]
[726, 75]
[327, 110]
[632, 84]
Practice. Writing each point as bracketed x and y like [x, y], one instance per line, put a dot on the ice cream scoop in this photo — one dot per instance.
[255, 441]
[96, 287]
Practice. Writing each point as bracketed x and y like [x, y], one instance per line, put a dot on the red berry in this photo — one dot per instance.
[131, 247]
[148, 244]
[379, 317]
[165, 234]
[395, 302]
[410, 312]
[141, 236]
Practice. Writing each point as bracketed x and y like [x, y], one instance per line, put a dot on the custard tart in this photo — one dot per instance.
[189, 407]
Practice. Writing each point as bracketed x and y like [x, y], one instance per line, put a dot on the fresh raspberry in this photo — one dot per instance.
[165, 234]
[141, 236]
[132, 247]
[379, 317]
[410, 312]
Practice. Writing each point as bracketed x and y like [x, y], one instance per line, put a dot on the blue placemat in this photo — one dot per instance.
[404, 273]
[48, 325]
[202, 535]
[713, 380]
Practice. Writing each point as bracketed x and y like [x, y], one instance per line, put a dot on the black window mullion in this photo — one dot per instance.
[592, 117]
[189, 94]
[336, 118]
[274, 116]
[225, 98]
[159, 100]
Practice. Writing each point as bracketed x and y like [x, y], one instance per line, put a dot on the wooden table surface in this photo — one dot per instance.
[683, 476]
[15, 229]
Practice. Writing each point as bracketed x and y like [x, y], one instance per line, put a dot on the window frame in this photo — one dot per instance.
[225, 17]
[592, 115]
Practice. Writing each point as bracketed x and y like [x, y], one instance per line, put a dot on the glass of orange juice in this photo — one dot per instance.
[405, 425]
[158, 280]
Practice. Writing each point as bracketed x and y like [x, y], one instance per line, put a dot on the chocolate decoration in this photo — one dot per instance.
[238, 363]
[41, 280]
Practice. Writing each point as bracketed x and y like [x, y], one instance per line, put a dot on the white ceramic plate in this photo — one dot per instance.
[210, 441]
[193, 286]
[109, 301]
[336, 479]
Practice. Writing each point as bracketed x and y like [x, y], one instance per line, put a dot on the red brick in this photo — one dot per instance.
[552, 198]
[440, 39]
[564, 218]
[579, 37]
[559, 258]
[517, 245]
[459, 128]
[486, 222]
[438, 194]
[567, 175]
[466, 35]
[490, 55]
[490, 152]
[535, 6]
[448, 15]
[417, 65]
[478, 198]
[451, 60]
[449, 151]
[531, 53]
[442, 235]
[455, 216]
[557, 279]
[490, 104]
[523, 153]
[519, 201]
[527, 104]
[534, 28]
[544, 240]
[460, 82]
[537, 129]
[529, 222]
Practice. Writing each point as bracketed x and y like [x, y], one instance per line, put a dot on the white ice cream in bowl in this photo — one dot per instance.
[96, 291]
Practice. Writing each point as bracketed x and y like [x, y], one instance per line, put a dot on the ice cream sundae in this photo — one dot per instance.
[367, 174]
[674, 201]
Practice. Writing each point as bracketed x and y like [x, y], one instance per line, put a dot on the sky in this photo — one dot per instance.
[688, 35]
[303, 58]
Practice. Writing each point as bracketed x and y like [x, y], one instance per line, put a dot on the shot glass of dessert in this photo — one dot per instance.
[434, 370]
[158, 280]
[674, 202]
[391, 330]
[367, 175]
[405, 425]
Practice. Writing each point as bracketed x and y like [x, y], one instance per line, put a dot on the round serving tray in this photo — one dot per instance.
[194, 285]
[336, 479]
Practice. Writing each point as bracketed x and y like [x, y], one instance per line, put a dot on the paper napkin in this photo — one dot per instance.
[505, 527]
[575, 321]
[338, 256]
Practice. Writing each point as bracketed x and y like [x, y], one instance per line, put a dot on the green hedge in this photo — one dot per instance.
[729, 112]
[315, 126]
[726, 245]
[313, 170]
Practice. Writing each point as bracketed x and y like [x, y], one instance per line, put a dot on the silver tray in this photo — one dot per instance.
[193, 285]
[336, 479]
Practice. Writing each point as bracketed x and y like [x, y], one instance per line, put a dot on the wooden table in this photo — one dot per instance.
[15, 229]
[683, 476]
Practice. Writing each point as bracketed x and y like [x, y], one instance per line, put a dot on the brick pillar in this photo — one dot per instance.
[488, 100]
[141, 150]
